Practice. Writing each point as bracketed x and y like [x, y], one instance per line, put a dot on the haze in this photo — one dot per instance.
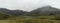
[28, 5]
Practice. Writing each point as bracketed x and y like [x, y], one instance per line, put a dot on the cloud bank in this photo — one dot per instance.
[27, 5]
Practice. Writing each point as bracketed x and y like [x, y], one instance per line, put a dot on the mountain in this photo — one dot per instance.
[13, 12]
[45, 10]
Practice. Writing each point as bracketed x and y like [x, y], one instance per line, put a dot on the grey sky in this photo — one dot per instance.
[28, 5]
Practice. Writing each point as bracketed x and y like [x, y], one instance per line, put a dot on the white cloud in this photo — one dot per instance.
[28, 5]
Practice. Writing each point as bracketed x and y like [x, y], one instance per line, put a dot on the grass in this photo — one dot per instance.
[40, 19]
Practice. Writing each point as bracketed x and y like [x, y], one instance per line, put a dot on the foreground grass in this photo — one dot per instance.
[41, 19]
[30, 21]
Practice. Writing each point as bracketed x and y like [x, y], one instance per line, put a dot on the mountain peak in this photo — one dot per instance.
[45, 8]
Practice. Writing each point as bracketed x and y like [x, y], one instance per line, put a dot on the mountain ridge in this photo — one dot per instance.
[13, 12]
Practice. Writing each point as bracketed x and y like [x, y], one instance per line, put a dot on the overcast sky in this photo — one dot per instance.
[28, 5]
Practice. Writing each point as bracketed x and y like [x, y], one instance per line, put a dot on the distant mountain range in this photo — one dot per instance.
[13, 12]
[42, 11]
[45, 10]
